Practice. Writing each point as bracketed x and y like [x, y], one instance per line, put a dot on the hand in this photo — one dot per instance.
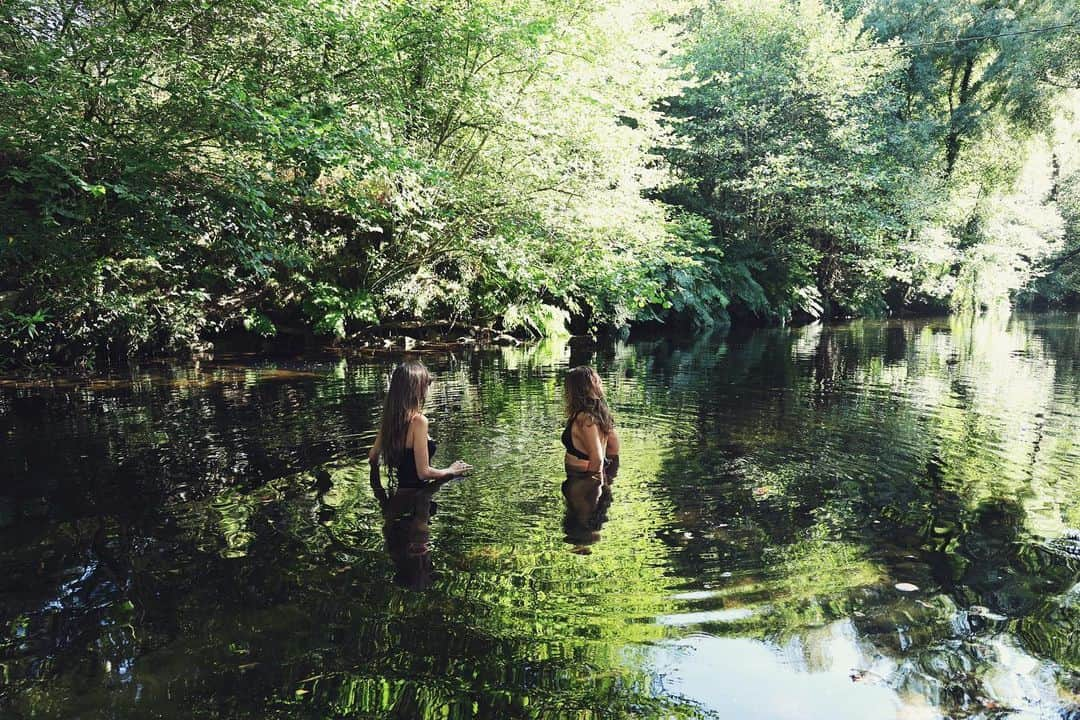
[460, 467]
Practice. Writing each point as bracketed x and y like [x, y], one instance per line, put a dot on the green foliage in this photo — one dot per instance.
[844, 173]
[169, 172]
[986, 111]
[694, 281]
[537, 319]
[1057, 276]
[780, 145]
[328, 307]
[254, 321]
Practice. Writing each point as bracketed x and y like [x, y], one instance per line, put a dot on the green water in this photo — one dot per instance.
[204, 541]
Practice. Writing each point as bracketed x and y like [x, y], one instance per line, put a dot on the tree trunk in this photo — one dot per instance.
[958, 119]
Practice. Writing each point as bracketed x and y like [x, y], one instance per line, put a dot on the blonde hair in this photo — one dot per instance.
[408, 390]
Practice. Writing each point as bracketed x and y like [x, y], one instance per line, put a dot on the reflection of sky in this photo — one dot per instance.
[828, 673]
[744, 678]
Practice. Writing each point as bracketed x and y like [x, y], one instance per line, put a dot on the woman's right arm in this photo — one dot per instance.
[611, 464]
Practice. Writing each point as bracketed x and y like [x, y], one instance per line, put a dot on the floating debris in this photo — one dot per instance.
[985, 612]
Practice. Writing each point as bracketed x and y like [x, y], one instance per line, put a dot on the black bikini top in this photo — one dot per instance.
[568, 439]
[406, 469]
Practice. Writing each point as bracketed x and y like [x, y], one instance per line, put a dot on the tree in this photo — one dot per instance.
[781, 145]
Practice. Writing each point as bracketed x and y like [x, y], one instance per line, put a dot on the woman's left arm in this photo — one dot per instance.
[612, 444]
[373, 477]
[376, 447]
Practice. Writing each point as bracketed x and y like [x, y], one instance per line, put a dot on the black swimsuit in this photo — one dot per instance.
[406, 469]
[568, 439]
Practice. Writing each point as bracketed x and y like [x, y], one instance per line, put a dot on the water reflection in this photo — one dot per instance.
[588, 498]
[202, 540]
[407, 514]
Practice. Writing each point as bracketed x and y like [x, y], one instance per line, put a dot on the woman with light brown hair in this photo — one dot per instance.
[589, 437]
[403, 442]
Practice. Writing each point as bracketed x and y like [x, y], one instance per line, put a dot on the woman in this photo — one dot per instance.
[403, 442]
[589, 437]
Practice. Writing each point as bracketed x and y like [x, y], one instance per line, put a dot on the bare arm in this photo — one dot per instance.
[612, 443]
[373, 478]
[418, 434]
[376, 447]
[592, 443]
[576, 463]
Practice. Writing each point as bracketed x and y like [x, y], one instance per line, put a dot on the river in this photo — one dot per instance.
[872, 519]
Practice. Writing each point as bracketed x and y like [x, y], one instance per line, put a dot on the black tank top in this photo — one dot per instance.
[406, 469]
[568, 439]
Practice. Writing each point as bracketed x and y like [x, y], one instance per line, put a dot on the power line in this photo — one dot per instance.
[1051, 28]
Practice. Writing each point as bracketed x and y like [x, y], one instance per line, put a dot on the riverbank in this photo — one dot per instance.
[436, 338]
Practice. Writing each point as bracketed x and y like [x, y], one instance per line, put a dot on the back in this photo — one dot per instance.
[405, 470]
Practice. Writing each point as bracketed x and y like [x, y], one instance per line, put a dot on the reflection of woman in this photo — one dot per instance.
[403, 442]
[589, 436]
[407, 531]
[588, 497]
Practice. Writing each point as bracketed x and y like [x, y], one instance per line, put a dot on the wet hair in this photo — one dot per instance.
[408, 390]
[584, 394]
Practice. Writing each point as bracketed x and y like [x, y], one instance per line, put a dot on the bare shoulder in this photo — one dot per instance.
[584, 421]
[418, 428]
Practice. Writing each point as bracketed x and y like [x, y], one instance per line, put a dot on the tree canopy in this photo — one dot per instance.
[170, 172]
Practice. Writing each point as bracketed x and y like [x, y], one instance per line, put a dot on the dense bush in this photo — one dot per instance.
[171, 171]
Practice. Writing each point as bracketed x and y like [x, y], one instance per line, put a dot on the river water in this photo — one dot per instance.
[864, 520]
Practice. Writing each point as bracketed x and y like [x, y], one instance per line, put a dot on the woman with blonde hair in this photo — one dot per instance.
[403, 442]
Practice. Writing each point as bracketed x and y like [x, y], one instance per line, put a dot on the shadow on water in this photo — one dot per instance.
[873, 519]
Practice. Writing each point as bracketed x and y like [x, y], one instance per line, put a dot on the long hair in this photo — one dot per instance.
[408, 390]
[584, 393]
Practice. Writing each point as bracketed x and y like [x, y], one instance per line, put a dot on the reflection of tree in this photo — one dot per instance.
[309, 607]
[177, 435]
[195, 561]
[904, 449]
[277, 599]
